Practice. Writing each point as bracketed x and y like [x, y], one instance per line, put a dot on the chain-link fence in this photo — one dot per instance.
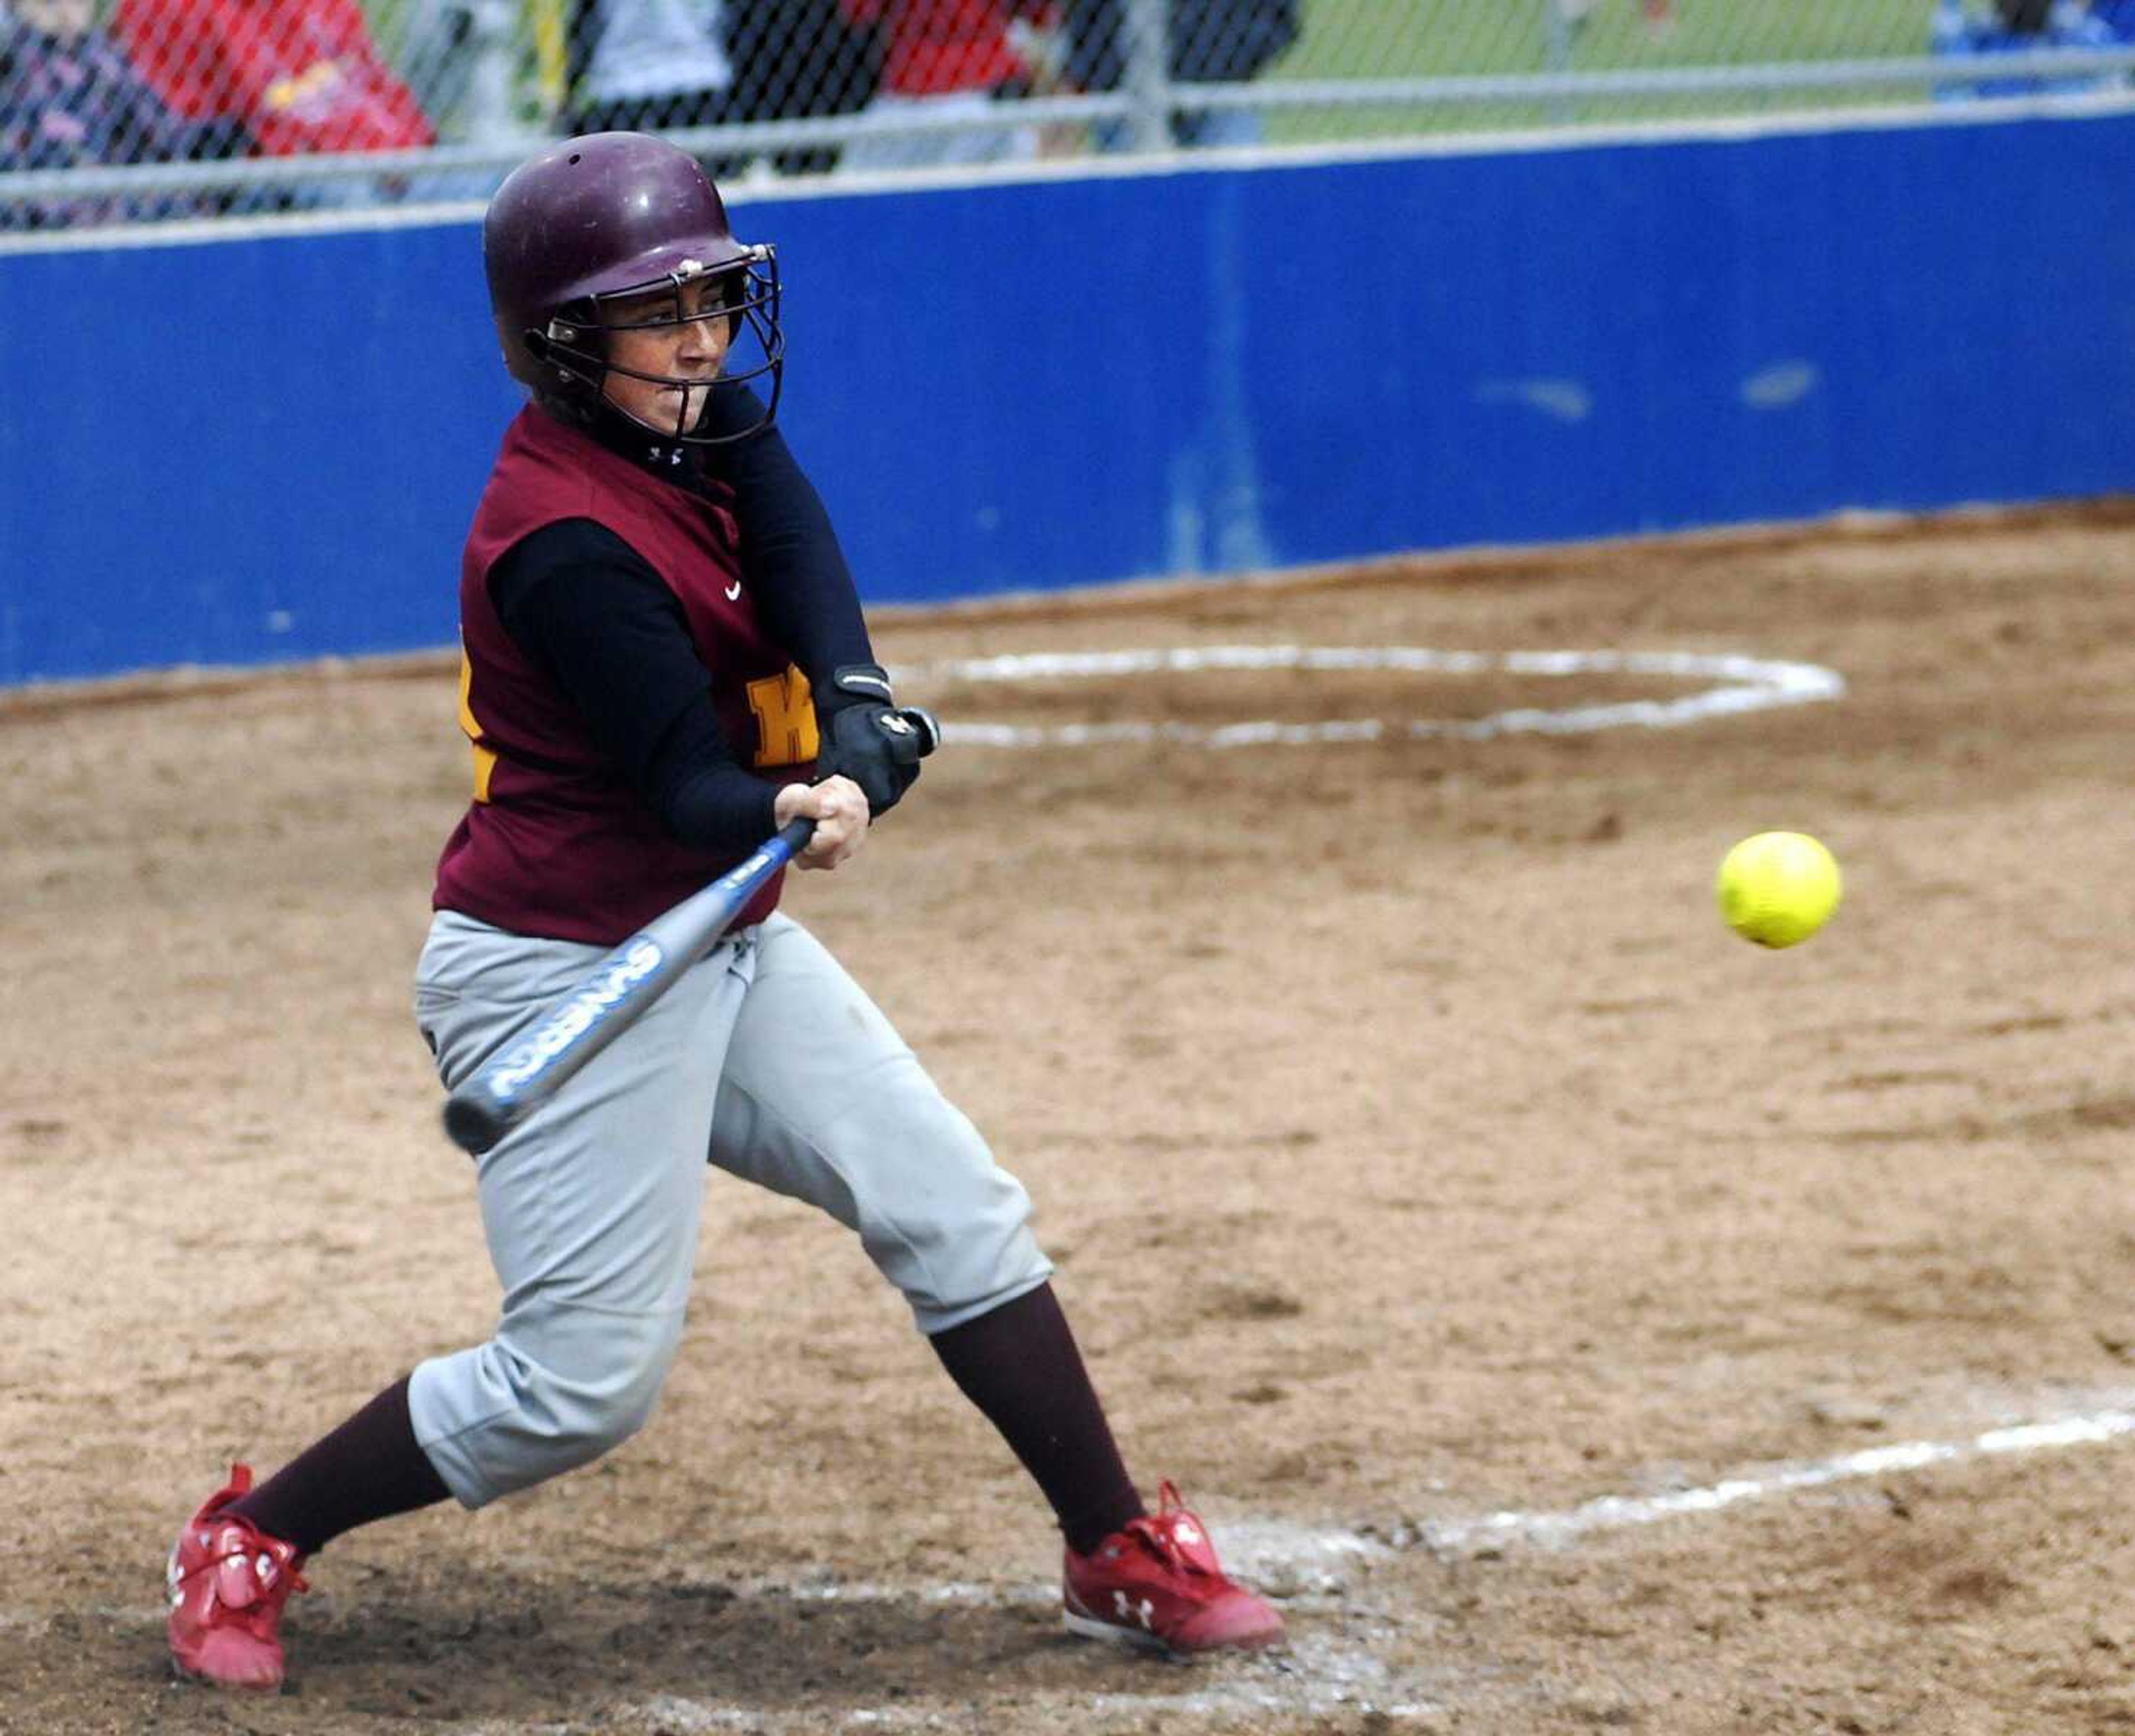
[127, 110]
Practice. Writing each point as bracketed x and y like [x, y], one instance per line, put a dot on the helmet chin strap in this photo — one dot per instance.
[663, 452]
[655, 451]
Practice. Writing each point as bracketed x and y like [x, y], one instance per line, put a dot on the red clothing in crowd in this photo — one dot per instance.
[936, 47]
[301, 76]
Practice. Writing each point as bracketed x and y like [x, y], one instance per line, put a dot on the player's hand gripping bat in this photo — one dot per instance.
[614, 994]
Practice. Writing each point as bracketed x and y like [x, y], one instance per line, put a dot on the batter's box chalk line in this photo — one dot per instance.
[1323, 1670]
[1744, 684]
[1617, 1512]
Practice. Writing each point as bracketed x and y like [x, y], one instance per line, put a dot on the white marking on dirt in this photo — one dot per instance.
[671, 1712]
[1266, 1552]
[1744, 684]
[1317, 1673]
[1314, 1675]
[1614, 1512]
[827, 1590]
[1286, 1560]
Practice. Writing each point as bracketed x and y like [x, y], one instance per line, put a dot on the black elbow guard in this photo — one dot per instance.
[866, 738]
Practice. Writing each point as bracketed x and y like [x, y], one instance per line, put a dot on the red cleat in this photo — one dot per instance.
[228, 1582]
[1157, 1584]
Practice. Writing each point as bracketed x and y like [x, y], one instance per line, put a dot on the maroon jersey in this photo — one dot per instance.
[557, 843]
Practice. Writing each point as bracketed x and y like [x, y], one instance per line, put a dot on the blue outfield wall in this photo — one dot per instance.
[266, 448]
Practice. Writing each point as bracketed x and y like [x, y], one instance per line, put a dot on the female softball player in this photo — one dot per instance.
[664, 660]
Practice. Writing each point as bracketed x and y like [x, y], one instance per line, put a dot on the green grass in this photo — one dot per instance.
[1429, 38]
[1447, 38]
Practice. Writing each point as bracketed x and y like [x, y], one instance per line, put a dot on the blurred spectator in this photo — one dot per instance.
[300, 75]
[70, 98]
[1211, 41]
[2117, 16]
[638, 65]
[950, 58]
[2020, 27]
[436, 62]
[797, 59]
[463, 62]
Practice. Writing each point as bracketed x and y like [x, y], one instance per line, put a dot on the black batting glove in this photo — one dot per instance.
[866, 738]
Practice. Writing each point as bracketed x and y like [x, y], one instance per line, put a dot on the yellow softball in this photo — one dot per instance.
[1778, 888]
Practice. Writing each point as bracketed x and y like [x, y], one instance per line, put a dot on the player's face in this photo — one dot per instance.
[673, 334]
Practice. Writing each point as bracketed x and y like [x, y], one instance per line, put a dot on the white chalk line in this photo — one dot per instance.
[1270, 1553]
[1616, 1512]
[1290, 1561]
[1318, 1673]
[1744, 684]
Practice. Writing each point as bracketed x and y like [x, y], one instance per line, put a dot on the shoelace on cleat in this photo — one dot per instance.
[1159, 1530]
[244, 1541]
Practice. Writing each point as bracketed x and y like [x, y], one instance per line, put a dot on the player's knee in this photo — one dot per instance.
[591, 1382]
[970, 1251]
[621, 1402]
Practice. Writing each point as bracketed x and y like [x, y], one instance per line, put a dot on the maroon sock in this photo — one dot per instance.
[371, 1467]
[1020, 1366]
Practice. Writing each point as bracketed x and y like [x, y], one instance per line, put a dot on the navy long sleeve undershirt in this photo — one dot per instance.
[790, 555]
[590, 610]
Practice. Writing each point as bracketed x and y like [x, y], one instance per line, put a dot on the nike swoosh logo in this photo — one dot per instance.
[733, 590]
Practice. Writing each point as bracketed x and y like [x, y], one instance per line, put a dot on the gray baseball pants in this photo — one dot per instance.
[767, 1058]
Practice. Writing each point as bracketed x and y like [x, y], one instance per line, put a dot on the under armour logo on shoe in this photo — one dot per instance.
[1145, 1611]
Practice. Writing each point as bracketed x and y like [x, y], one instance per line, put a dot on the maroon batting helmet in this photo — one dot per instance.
[607, 215]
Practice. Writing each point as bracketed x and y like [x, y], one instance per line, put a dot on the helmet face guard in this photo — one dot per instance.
[579, 242]
[576, 343]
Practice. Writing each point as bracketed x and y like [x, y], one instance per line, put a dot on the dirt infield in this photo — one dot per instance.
[1416, 1145]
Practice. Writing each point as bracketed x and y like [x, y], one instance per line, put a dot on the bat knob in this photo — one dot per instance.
[471, 1125]
[923, 725]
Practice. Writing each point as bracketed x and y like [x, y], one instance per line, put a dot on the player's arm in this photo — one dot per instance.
[796, 571]
[591, 611]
